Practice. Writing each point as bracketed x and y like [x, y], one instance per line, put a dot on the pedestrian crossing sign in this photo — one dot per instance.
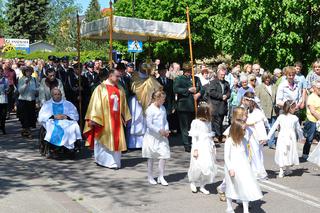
[135, 46]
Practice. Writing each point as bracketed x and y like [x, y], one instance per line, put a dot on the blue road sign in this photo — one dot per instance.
[135, 46]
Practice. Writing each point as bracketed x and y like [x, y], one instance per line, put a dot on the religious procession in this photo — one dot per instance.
[243, 136]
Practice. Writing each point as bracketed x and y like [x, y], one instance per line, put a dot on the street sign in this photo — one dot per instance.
[135, 46]
[19, 44]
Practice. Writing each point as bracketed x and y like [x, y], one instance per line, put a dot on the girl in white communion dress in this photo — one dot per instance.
[286, 150]
[241, 183]
[203, 168]
[155, 142]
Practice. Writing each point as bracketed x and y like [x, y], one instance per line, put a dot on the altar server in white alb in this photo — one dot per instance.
[241, 183]
[143, 85]
[257, 122]
[286, 150]
[203, 168]
[59, 117]
[155, 141]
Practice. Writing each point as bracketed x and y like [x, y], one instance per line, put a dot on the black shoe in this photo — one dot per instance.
[187, 149]
[4, 131]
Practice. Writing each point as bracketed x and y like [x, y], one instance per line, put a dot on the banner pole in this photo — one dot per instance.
[110, 34]
[79, 68]
[191, 58]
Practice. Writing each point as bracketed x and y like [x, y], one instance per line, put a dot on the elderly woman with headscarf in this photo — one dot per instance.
[244, 88]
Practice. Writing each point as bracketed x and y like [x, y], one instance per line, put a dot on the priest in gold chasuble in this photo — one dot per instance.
[106, 116]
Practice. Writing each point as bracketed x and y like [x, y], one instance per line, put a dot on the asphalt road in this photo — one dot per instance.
[31, 183]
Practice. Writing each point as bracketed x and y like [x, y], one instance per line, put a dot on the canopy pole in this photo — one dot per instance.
[79, 68]
[149, 47]
[110, 32]
[191, 58]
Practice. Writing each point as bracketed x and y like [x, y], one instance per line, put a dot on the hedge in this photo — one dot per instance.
[84, 56]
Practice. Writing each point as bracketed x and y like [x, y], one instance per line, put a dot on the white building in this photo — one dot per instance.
[41, 46]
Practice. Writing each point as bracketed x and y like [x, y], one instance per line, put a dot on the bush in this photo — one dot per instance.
[15, 54]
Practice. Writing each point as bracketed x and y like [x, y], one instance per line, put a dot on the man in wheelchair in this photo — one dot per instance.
[59, 119]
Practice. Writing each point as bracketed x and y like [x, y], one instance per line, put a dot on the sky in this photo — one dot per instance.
[85, 3]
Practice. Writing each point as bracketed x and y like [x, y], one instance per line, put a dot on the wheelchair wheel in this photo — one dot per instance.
[79, 146]
[43, 145]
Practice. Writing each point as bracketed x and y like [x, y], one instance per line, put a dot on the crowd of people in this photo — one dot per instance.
[133, 107]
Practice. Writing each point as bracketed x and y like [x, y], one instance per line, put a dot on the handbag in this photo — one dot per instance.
[318, 126]
[15, 92]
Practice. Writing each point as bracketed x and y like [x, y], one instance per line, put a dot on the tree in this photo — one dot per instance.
[3, 25]
[65, 33]
[175, 11]
[59, 10]
[27, 19]
[274, 33]
[63, 24]
[93, 12]
[63, 27]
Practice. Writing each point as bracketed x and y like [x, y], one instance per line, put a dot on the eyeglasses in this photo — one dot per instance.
[253, 80]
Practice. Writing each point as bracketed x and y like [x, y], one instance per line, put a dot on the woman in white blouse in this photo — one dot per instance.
[28, 91]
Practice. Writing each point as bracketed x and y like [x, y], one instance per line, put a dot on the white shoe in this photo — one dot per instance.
[162, 181]
[280, 175]
[204, 191]
[152, 181]
[230, 211]
[193, 188]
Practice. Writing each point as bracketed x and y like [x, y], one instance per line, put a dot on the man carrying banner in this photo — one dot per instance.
[106, 113]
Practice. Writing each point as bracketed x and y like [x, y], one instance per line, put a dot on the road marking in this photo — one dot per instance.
[297, 197]
[287, 188]
[292, 190]
[290, 194]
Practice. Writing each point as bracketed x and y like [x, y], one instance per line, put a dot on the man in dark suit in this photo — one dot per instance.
[182, 86]
[53, 62]
[63, 69]
[92, 77]
[74, 92]
[129, 70]
[168, 89]
[217, 94]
